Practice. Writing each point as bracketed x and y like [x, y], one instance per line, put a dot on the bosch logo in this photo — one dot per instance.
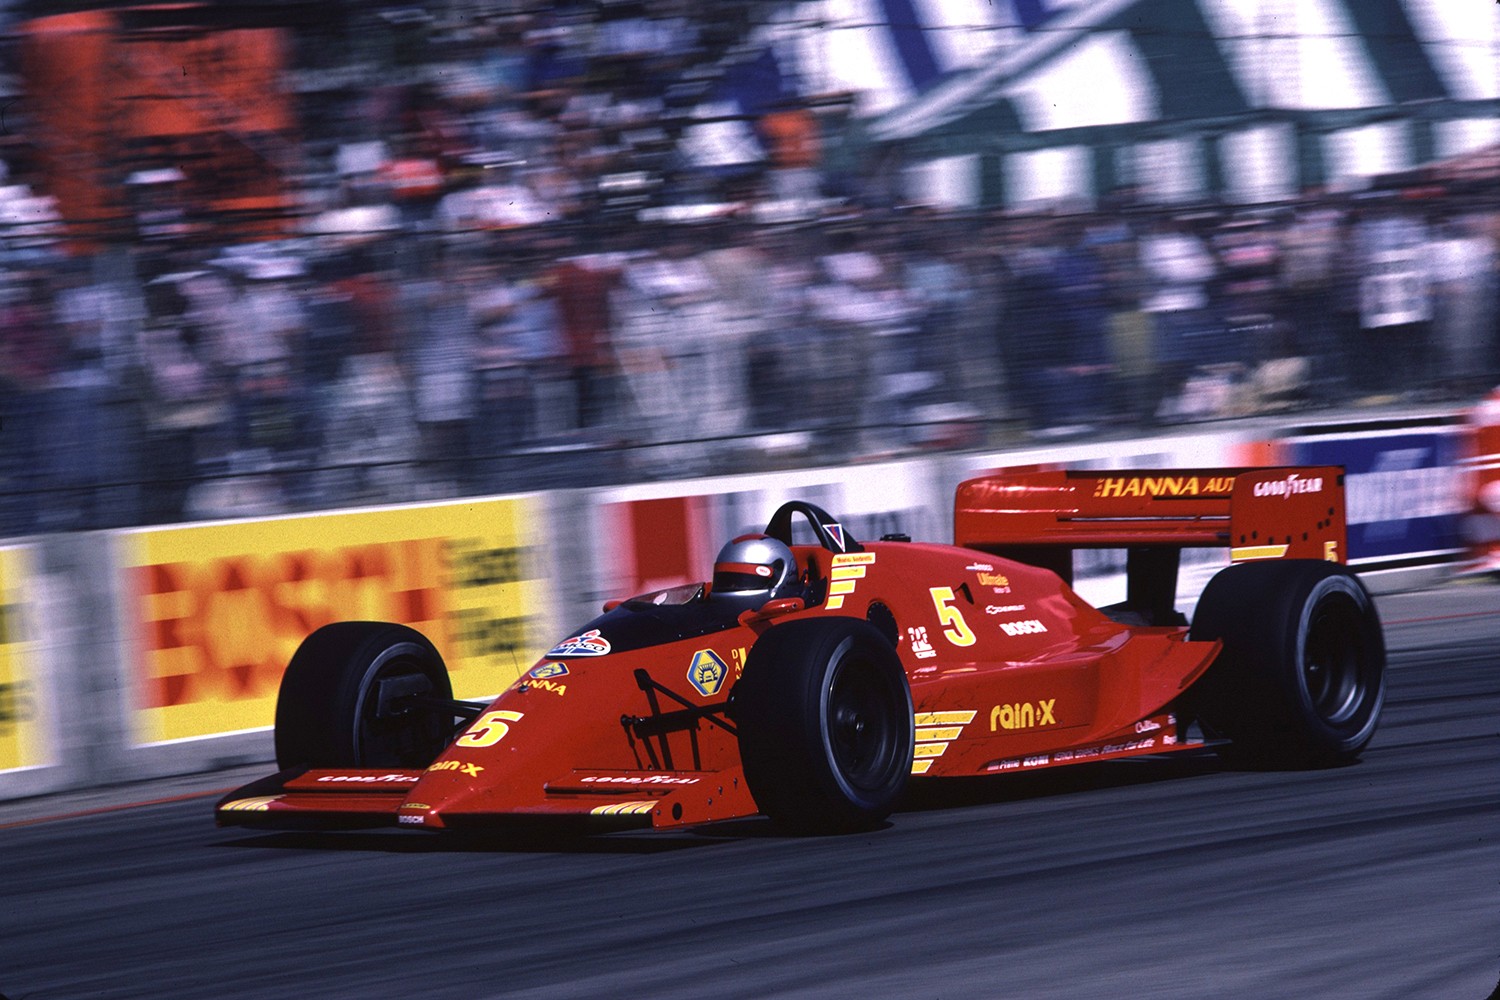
[1028, 627]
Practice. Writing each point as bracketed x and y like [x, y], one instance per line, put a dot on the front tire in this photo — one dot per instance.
[824, 716]
[1301, 680]
[363, 695]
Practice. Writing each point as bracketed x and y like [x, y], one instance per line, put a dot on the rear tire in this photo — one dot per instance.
[353, 697]
[824, 716]
[1301, 680]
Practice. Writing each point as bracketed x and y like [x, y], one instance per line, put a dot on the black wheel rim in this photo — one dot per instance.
[862, 735]
[1335, 661]
[404, 733]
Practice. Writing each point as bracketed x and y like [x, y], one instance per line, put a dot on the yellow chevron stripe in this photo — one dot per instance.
[938, 732]
[944, 718]
[920, 766]
[260, 803]
[931, 749]
[633, 808]
[1246, 552]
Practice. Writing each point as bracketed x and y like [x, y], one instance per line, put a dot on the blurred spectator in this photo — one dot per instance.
[1310, 247]
[1394, 258]
[29, 361]
[441, 356]
[1463, 263]
[582, 285]
[188, 399]
[1176, 269]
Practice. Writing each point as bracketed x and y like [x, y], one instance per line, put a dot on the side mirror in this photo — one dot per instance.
[772, 609]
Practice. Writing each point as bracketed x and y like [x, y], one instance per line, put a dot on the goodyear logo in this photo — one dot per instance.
[1289, 487]
[707, 672]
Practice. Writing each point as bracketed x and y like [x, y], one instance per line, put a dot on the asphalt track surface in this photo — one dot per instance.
[1165, 878]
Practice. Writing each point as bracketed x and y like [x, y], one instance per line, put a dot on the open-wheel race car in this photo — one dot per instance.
[815, 676]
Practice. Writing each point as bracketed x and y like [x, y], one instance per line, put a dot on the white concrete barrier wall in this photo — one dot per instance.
[137, 654]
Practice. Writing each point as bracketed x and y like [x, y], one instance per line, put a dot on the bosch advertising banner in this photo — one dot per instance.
[21, 743]
[1403, 486]
[219, 609]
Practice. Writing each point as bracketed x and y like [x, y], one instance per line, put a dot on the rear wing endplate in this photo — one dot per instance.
[1292, 512]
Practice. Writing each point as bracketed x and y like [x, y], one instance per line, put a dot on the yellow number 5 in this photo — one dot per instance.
[956, 630]
[490, 729]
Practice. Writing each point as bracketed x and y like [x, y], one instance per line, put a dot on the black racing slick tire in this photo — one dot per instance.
[363, 695]
[824, 717]
[1301, 679]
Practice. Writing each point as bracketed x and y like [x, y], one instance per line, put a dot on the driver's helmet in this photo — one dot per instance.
[755, 569]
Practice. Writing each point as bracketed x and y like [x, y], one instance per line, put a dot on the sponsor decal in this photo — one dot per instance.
[472, 770]
[935, 730]
[1129, 747]
[545, 685]
[1003, 609]
[1162, 486]
[1072, 756]
[707, 672]
[1023, 715]
[995, 580]
[848, 570]
[1147, 726]
[1289, 487]
[549, 670]
[590, 643]
[1028, 627]
[636, 779]
[920, 647]
[411, 820]
[980, 568]
[370, 779]
[836, 532]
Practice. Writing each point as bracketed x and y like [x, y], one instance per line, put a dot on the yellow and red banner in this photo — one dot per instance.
[20, 702]
[218, 609]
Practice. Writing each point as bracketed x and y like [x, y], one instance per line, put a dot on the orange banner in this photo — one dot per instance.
[219, 609]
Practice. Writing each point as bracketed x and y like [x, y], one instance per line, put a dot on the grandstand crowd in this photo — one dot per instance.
[547, 255]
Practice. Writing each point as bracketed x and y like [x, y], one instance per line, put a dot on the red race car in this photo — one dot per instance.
[815, 675]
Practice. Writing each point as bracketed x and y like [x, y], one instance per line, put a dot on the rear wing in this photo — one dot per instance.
[1041, 517]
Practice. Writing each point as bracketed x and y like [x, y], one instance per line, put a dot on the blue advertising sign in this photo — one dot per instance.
[1403, 490]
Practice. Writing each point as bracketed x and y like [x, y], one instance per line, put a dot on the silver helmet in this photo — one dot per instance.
[755, 569]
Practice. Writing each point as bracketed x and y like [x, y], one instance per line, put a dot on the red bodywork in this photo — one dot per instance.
[624, 723]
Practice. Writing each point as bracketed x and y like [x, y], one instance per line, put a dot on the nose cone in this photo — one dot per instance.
[456, 789]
